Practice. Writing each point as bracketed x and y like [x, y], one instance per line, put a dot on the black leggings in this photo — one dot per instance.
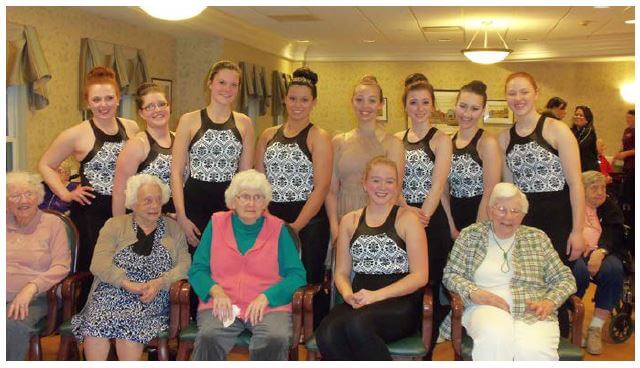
[362, 334]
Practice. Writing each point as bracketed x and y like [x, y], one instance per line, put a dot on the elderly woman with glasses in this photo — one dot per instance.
[137, 258]
[245, 271]
[511, 281]
[38, 257]
[604, 234]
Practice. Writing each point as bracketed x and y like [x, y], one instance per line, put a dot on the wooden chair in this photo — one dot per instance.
[189, 329]
[48, 325]
[567, 350]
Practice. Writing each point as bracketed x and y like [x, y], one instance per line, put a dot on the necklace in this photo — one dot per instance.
[505, 267]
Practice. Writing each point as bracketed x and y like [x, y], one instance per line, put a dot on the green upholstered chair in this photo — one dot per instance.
[413, 347]
[189, 329]
[49, 324]
[68, 349]
[567, 349]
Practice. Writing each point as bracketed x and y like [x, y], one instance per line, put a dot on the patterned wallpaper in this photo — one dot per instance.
[593, 84]
[60, 30]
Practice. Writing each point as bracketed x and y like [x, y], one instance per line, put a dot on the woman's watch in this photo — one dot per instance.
[603, 251]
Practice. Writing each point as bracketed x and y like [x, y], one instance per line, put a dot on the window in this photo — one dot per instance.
[17, 107]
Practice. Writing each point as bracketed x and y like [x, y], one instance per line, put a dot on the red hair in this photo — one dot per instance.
[524, 75]
[100, 75]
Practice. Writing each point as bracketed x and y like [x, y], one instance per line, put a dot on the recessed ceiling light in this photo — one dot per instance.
[368, 41]
[522, 39]
[444, 40]
[601, 7]
[303, 41]
[630, 21]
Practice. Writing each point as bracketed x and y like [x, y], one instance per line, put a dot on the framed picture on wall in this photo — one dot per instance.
[382, 113]
[497, 112]
[444, 112]
[165, 84]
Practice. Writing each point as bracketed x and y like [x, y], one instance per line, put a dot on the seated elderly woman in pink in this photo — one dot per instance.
[38, 257]
[245, 272]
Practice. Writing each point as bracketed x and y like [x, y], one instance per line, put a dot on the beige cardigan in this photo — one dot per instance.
[117, 234]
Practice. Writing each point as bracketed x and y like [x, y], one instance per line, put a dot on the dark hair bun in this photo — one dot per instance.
[101, 72]
[415, 77]
[478, 87]
[306, 73]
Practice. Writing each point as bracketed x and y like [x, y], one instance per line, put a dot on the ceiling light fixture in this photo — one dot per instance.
[630, 21]
[485, 54]
[177, 11]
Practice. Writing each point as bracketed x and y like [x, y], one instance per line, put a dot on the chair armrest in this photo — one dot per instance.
[577, 320]
[184, 302]
[52, 310]
[307, 305]
[296, 315]
[427, 317]
[70, 287]
[174, 308]
[457, 307]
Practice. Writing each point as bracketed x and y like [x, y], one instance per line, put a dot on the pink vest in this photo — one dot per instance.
[244, 277]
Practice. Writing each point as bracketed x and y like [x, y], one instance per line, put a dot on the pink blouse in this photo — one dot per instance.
[592, 228]
[37, 253]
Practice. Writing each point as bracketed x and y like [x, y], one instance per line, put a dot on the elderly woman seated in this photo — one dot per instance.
[511, 281]
[245, 272]
[137, 258]
[604, 234]
[38, 257]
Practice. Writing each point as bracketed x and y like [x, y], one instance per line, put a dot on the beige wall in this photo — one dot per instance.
[593, 84]
[237, 52]
[60, 30]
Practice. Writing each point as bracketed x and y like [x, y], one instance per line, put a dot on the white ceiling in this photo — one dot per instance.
[338, 33]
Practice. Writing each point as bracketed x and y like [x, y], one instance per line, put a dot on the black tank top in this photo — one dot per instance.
[214, 151]
[289, 166]
[465, 176]
[158, 161]
[418, 167]
[378, 250]
[535, 164]
[98, 167]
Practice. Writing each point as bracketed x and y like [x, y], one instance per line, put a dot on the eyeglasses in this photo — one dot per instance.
[160, 106]
[246, 198]
[502, 211]
[15, 197]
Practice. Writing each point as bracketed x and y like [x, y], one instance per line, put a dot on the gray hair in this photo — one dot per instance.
[508, 191]
[593, 177]
[23, 177]
[247, 180]
[135, 182]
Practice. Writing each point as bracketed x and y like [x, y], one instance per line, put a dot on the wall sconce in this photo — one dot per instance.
[485, 54]
[175, 11]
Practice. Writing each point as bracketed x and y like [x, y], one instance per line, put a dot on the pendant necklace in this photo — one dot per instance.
[505, 267]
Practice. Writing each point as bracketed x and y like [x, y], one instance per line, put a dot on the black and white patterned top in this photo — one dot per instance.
[98, 167]
[465, 176]
[214, 151]
[158, 161]
[378, 250]
[289, 166]
[534, 163]
[418, 167]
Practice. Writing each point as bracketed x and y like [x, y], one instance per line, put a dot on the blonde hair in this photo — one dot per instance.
[593, 177]
[369, 80]
[379, 160]
[23, 177]
[135, 182]
[247, 180]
